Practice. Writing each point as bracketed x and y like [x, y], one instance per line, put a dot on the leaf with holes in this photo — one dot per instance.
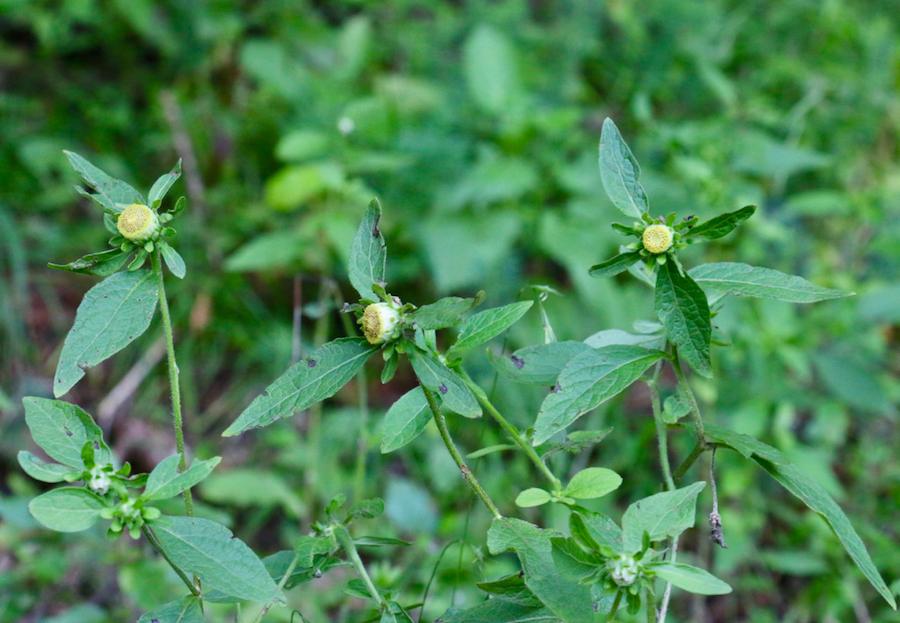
[368, 255]
[444, 383]
[62, 429]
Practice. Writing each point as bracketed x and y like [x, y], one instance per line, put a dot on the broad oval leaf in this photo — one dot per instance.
[532, 497]
[113, 314]
[745, 280]
[593, 482]
[310, 380]
[620, 172]
[589, 379]
[68, 509]
[684, 311]
[662, 515]
[817, 499]
[41, 470]
[488, 324]
[721, 225]
[405, 420]
[539, 364]
[166, 481]
[211, 552]
[689, 578]
[368, 254]
[61, 429]
[438, 378]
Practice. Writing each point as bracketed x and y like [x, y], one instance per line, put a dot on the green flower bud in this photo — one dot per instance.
[138, 223]
[380, 323]
[657, 238]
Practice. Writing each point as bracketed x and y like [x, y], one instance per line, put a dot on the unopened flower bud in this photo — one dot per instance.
[138, 223]
[625, 570]
[657, 238]
[380, 322]
[99, 481]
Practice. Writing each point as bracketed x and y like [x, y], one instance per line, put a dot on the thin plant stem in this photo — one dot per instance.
[519, 439]
[662, 429]
[457, 457]
[173, 374]
[664, 607]
[155, 544]
[615, 606]
[699, 449]
[692, 401]
[343, 537]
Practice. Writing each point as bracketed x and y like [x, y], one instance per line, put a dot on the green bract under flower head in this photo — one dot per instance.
[381, 323]
[138, 223]
[657, 238]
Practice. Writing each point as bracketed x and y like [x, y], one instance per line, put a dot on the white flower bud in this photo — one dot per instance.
[99, 481]
[625, 570]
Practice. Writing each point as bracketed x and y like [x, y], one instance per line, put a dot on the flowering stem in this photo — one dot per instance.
[451, 447]
[514, 433]
[173, 373]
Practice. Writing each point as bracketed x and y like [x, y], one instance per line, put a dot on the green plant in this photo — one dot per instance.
[577, 578]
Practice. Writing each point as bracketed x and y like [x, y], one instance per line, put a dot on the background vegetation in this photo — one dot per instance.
[476, 124]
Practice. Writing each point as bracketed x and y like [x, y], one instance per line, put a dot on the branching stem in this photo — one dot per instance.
[457, 457]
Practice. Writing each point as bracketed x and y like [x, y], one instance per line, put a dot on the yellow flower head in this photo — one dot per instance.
[138, 223]
[657, 238]
[380, 322]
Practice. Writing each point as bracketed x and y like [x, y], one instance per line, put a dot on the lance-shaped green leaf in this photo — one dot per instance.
[172, 258]
[569, 601]
[62, 429]
[113, 314]
[488, 324]
[620, 172]
[615, 265]
[689, 578]
[165, 481]
[590, 378]
[684, 311]
[746, 280]
[405, 420]
[185, 610]
[661, 516]
[368, 255]
[43, 471]
[68, 509]
[162, 185]
[592, 482]
[594, 530]
[114, 195]
[438, 378]
[212, 553]
[721, 225]
[746, 445]
[310, 380]
[539, 364]
[817, 499]
[446, 312]
[102, 264]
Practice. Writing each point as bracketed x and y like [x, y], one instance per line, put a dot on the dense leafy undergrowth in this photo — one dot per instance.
[476, 126]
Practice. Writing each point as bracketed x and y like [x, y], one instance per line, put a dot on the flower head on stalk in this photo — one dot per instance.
[138, 226]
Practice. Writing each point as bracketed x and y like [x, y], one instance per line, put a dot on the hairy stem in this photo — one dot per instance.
[662, 429]
[343, 537]
[699, 449]
[457, 457]
[615, 606]
[155, 544]
[173, 374]
[517, 437]
[692, 401]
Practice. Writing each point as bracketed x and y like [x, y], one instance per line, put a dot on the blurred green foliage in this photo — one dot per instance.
[476, 124]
